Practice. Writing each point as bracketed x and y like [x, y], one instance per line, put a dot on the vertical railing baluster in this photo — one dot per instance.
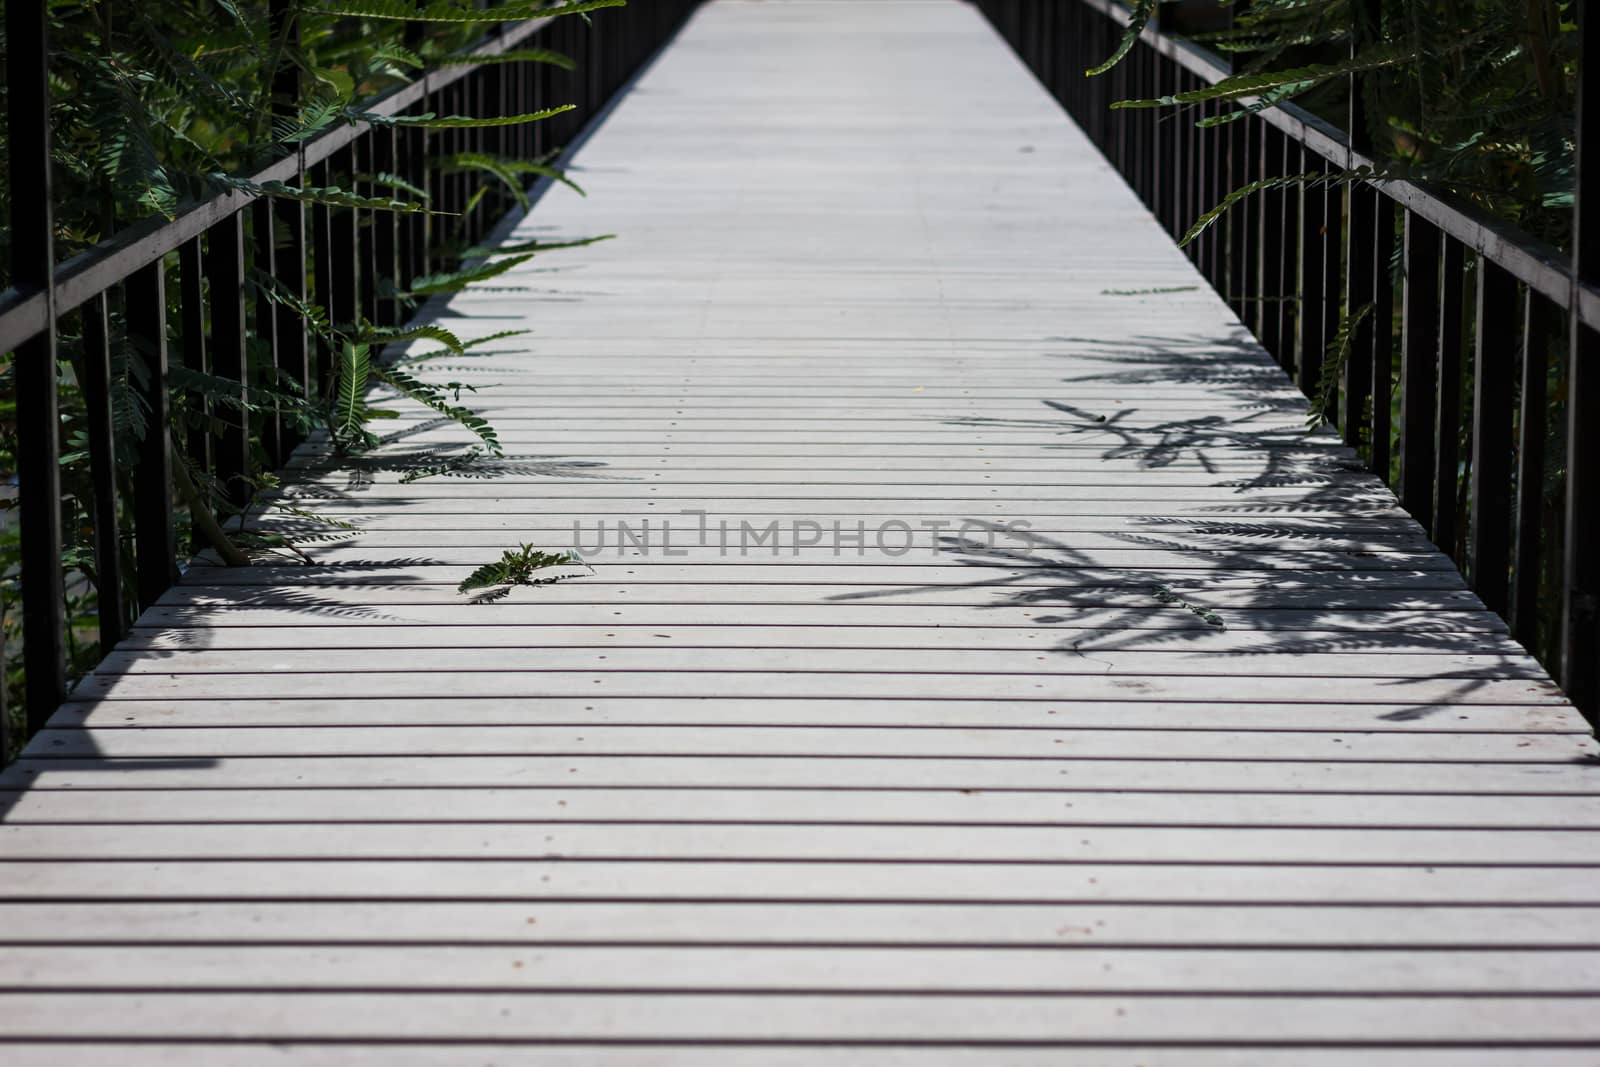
[229, 352]
[1313, 296]
[1381, 388]
[110, 605]
[287, 220]
[367, 222]
[385, 227]
[415, 147]
[289, 273]
[1240, 236]
[1541, 322]
[1419, 359]
[1494, 374]
[1447, 417]
[192, 331]
[34, 363]
[344, 260]
[1269, 242]
[1331, 244]
[1580, 634]
[1356, 387]
[263, 242]
[1362, 204]
[322, 268]
[154, 539]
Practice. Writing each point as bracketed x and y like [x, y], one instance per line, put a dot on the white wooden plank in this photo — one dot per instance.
[343, 1054]
[819, 681]
[858, 774]
[1052, 661]
[1230, 715]
[721, 843]
[777, 805]
[537, 624]
[785, 1019]
[533, 924]
[577, 770]
[1192, 643]
[971, 741]
[799, 969]
[997, 884]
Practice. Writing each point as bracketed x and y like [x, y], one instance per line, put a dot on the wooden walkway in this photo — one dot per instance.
[998, 798]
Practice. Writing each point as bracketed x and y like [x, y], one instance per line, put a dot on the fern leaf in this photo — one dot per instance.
[431, 396]
[328, 196]
[533, 247]
[1138, 18]
[405, 11]
[516, 55]
[517, 567]
[395, 182]
[1242, 85]
[430, 121]
[381, 335]
[1338, 354]
[458, 280]
[350, 414]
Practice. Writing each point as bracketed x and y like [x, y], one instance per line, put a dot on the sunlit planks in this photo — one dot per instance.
[985, 793]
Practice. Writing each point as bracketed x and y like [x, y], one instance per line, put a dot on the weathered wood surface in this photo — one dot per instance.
[961, 798]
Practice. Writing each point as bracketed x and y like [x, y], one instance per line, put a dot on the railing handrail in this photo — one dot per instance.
[25, 312]
[1534, 262]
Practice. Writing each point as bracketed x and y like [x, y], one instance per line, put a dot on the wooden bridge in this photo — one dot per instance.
[994, 670]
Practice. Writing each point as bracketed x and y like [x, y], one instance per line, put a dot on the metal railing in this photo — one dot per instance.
[1507, 480]
[181, 287]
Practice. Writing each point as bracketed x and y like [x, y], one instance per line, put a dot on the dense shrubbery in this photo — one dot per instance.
[156, 106]
[1471, 96]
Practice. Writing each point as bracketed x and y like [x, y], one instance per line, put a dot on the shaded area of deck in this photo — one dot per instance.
[1018, 681]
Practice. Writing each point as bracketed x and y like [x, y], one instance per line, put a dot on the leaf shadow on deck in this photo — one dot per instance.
[363, 472]
[1311, 533]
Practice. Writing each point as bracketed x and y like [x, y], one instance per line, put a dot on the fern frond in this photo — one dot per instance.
[433, 397]
[1333, 364]
[369, 334]
[455, 281]
[1138, 18]
[405, 11]
[517, 567]
[1254, 84]
[430, 121]
[353, 372]
[533, 247]
[516, 55]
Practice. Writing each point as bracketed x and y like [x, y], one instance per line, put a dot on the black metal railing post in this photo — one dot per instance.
[155, 546]
[38, 412]
[1580, 637]
[227, 323]
[1510, 489]
[96, 383]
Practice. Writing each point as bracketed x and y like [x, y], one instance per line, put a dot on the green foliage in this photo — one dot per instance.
[406, 11]
[1470, 97]
[430, 121]
[1333, 364]
[453, 281]
[516, 55]
[1167, 596]
[1139, 15]
[517, 566]
[155, 107]
[512, 173]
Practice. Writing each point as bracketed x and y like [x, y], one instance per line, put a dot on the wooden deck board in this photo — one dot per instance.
[807, 803]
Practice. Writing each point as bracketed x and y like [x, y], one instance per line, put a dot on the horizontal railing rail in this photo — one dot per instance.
[1470, 384]
[182, 288]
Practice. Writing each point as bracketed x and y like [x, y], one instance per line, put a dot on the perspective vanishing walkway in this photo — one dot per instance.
[991, 783]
